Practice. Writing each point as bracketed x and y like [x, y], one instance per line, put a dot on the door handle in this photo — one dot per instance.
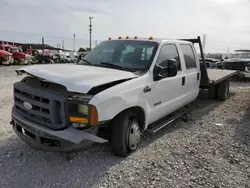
[183, 80]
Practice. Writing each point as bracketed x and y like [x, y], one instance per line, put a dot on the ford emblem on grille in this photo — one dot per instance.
[27, 105]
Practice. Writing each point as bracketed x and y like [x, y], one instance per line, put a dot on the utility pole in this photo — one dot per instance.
[63, 44]
[43, 44]
[96, 42]
[204, 42]
[74, 42]
[228, 52]
[90, 31]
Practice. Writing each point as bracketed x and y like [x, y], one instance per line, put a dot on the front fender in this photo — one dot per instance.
[120, 97]
[109, 108]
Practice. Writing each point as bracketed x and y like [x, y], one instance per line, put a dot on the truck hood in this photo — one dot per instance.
[19, 53]
[76, 78]
[5, 52]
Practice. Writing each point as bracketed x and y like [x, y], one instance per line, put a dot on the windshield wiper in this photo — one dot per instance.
[119, 67]
[113, 65]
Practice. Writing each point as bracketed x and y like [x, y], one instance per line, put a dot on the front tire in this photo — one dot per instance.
[125, 133]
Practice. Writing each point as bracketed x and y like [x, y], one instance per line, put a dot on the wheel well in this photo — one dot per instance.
[140, 113]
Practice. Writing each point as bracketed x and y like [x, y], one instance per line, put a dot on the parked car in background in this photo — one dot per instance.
[43, 56]
[68, 59]
[239, 62]
[212, 63]
[6, 58]
[18, 55]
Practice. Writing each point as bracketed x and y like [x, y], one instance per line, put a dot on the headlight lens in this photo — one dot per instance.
[81, 113]
[83, 109]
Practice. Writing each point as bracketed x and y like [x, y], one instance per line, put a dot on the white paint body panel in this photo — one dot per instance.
[110, 102]
[77, 78]
[168, 91]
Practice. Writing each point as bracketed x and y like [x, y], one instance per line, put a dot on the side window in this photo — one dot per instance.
[169, 51]
[188, 56]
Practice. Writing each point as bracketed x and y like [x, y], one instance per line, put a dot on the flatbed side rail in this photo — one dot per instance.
[205, 81]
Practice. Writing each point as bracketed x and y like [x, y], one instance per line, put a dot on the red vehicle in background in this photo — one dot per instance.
[18, 55]
[6, 58]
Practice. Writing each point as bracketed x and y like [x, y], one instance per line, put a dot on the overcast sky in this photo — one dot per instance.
[226, 22]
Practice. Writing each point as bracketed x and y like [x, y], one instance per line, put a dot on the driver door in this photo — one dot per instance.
[167, 92]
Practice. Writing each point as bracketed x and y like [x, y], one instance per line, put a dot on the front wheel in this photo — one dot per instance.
[126, 133]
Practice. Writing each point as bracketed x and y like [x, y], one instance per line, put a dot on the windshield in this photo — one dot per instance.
[16, 50]
[122, 54]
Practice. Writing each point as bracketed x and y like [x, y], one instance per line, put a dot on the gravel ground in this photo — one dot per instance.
[208, 148]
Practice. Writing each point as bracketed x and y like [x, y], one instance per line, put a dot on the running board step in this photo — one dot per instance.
[158, 125]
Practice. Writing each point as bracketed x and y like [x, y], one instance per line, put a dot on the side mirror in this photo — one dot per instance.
[167, 68]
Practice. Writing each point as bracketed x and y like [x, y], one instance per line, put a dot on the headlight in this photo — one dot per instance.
[83, 109]
[81, 113]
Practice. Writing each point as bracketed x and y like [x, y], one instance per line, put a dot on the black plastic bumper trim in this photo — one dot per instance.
[69, 134]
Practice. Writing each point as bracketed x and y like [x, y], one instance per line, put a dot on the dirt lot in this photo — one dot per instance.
[208, 148]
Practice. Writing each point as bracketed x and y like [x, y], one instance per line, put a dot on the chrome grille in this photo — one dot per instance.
[47, 107]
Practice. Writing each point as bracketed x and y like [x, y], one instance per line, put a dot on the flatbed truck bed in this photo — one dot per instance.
[210, 78]
[216, 75]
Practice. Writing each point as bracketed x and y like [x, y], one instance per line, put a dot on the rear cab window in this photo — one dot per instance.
[189, 56]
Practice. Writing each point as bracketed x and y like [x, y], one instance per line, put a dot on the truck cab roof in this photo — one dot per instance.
[158, 40]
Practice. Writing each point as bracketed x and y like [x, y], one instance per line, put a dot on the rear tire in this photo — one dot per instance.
[223, 90]
[125, 133]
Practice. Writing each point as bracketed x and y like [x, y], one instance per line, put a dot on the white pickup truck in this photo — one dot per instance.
[121, 88]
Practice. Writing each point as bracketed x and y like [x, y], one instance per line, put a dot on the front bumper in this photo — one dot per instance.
[69, 139]
[8, 62]
[26, 62]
